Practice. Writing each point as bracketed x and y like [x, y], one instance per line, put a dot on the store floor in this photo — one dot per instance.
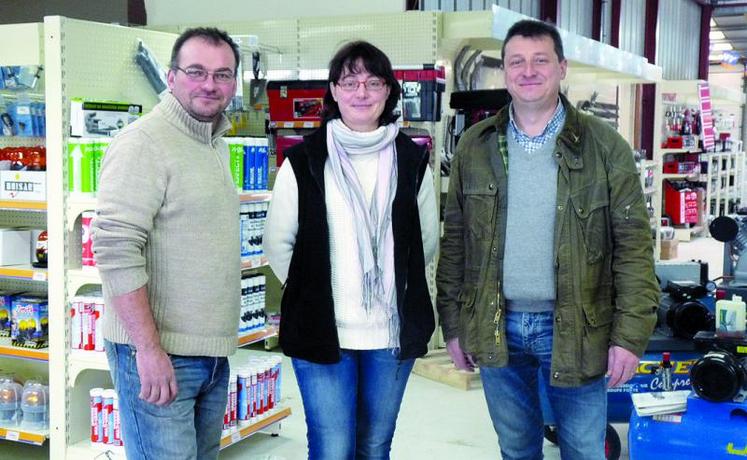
[437, 422]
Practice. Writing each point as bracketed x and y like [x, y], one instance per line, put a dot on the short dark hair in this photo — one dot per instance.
[209, 34]
[530, 28]
[355, 57]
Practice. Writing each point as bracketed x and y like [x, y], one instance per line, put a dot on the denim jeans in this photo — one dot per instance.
[189, 427]
[512, 395]
[351, 406]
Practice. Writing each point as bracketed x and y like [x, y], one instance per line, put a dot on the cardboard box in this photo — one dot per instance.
[23, 185]
[101, 119]
[669, 249]
[14, 247]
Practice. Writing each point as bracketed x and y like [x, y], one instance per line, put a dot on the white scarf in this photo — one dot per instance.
[373, 224]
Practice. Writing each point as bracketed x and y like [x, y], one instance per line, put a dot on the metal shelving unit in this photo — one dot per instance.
[724, 177]
[27, 50]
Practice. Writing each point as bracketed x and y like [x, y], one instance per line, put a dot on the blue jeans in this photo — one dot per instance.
[351, 406]
[513, 400]
[188, 428]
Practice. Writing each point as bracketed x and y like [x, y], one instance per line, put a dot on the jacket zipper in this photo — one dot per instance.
[497, 319]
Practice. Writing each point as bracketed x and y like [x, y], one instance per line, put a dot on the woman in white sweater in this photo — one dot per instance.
[351, 226]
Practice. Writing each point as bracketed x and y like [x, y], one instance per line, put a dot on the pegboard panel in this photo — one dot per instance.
[408, 39]
[22, 218]
[98, 62]
[23, 285]
[18, 141]
[281, 34]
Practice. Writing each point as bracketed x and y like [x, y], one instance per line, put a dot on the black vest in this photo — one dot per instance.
[307, 324]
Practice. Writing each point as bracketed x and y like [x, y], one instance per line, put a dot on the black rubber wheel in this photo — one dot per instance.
[612, 445]
[551, 434]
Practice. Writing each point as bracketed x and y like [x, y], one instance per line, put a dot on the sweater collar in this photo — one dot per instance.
[202, 131]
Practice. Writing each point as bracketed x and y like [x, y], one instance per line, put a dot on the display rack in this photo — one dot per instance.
[27, 50]
[69, 60]
[724, 175]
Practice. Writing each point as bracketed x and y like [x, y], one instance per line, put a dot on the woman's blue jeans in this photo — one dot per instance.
[351, 406]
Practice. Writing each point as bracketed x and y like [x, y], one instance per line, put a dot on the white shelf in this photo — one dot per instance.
[257, 336]
[589, 59]
[76, 206]
[8, 350]
[86, 450]
[20, 434]
[24, 272]
[240, 433]
[80, 277]
[21, 205]
[83, 360]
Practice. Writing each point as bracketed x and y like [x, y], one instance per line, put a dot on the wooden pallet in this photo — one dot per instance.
[437, 365]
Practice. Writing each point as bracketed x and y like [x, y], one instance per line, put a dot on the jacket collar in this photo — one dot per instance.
[201, 131]
[569, 138]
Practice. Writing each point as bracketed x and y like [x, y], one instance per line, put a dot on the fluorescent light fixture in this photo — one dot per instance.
[715, 57]
[725, 46]
[713, 23]
[716, 35]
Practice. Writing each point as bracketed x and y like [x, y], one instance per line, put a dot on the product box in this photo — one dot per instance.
[296, 100]
[236, 160]
[14, 247]
[669, 249]
[84, 157]
[421, 92]
[30, 322]
[101, 119]
[23, 185]
[6, 301]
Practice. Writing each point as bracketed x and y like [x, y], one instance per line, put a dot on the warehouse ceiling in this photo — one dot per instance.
[728, 29]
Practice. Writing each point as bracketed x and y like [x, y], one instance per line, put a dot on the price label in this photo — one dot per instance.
[12, 435]
[308, 124]
[39, 276]
[289, 124]
[235, 437]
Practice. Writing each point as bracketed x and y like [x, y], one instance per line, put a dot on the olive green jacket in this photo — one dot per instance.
[606, 289]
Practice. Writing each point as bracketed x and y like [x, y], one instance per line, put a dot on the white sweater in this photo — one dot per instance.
[356, 330]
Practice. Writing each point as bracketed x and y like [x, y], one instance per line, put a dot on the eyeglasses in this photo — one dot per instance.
[351, 84]
[199, 75]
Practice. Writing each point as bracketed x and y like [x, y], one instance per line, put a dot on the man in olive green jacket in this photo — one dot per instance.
[557, 275]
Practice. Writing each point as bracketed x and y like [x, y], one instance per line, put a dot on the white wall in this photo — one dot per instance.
[173, 12]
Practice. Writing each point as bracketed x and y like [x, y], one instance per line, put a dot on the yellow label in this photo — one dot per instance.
[741, 349]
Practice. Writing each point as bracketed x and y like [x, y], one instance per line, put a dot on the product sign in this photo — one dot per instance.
[706, 115]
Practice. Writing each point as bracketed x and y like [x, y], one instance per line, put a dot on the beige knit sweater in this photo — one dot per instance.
[167, 217]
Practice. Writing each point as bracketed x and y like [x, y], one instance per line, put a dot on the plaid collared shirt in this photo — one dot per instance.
[530, 143]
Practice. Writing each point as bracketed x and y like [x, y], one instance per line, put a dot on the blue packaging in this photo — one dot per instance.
[23, 119]
[10, 76]
[30, 322]
[261, 167]
[250, 175]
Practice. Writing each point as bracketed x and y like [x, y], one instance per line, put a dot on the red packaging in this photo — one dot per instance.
[87, 259]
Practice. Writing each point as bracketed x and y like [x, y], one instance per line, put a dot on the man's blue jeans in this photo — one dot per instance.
[351, 406]
[189, 427]
[513, 400]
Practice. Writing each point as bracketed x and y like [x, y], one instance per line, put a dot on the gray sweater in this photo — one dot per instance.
[167, 217]
[528, 263]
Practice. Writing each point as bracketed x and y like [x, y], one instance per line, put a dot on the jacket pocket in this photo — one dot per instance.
[467, 320]
[591, 209]
[595, 339]
[479, 206]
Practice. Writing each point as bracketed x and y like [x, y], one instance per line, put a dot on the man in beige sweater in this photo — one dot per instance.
[166, 242]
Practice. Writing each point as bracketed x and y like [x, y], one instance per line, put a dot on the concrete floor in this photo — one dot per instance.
[437, 422]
